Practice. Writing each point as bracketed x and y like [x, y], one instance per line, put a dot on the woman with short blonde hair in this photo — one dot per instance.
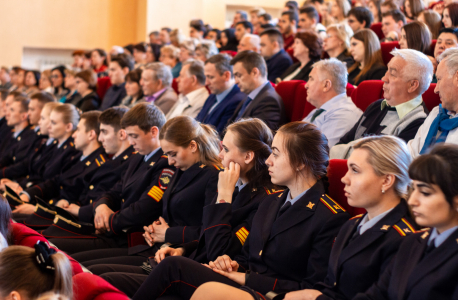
[337, 43]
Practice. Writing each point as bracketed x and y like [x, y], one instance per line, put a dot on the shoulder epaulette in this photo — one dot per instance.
[100, 160]
[331, 204]
[356, 217]
[163, 156]
[218, 168]
[272, 191]
[403, 227]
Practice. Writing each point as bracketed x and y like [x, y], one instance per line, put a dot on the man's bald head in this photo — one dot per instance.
[249, 42]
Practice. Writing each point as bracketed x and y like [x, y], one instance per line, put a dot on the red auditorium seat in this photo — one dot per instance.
[367, 92]
[336, 170]
[287, 91]
[175, 85]
[377, 28]
[386, 49]
[350, 89]
[103, 84]
[430, 98]
[291, 53]
[229, 52]
[433, 46]
[91, 287]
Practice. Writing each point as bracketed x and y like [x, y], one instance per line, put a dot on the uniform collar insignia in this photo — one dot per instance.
[385, 227]
[310, 205]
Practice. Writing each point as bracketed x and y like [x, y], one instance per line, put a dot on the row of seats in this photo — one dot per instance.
[387, 47]
[297, 107]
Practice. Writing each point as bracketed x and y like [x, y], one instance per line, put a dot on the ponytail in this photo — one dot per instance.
[69, 113]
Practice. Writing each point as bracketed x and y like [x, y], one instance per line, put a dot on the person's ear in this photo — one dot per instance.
[15, 296]
[413, 86]
[455, 203]
[227, 76]
[255, 72]
[249, 157]
[93, 135]
[327, 85]
[154, 132]
[388, 182]
[193, 146]
[125, 70]
[455, 79]
[69, 127]
[122, 135]
[363, 24]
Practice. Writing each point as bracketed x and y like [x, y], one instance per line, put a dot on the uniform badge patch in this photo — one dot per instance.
[165, 178]
[156, 193]
[242, 234]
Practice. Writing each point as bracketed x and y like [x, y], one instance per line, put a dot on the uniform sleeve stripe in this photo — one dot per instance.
[101, 156]
[245, 230]
[399, 230]
[335, 202]
[97, 162]
[242, 233]
[328, 206]
[241, 239]
[156, 193]
[408, 225]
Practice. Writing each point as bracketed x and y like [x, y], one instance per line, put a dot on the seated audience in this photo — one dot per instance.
[416, 35]
[250, 42]
[86, 83]
[197, 29]
[392, 22]
[215, 36]
[374, 7]
[17, 79]
[191, 85]
[45, 82]
[73, 96]
[263, 102]
[205, 50]
[450, 18]
[318, 4]
[239, 16]
[277, 59]
[177, 37]
[310, 19]
[58, 82]
[225, 94]
[241, 28]
[265, 19]
[362, 250]
[140, 55]
[339, 10]
[228, 40]
[134, 92]
[152, 53]
[441, 124]
[254, 19]
[337, 43]
[170, 56]
[32, 80]
[288, 26]
[156, 82]
[187, 50]
[298, 161]
[99, 62]
[87, 60]
[5, 79]
[153, 39]
[448, 38]
[118, 68]
[426, 263]
[388, 5]
[413, 8]
[307, 50]
[433, 20]
[164, 36]
[335, 113]
[359, 18]
[402, 111]
[369, 65]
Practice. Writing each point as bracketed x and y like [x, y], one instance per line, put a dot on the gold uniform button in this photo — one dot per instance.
[90, 201]
[91, 187]
[61, 187]
[335, 283]
[51, 201]
[260, 253]
[18, 138]
[122, 200]
[14, 157]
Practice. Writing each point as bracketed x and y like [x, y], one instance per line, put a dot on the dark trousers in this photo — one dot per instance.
[178, 276]
[72, 246]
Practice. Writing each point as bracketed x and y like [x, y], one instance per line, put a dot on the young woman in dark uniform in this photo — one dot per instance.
[301, 222]
[377, 180]
[426, 264]
[242, 186]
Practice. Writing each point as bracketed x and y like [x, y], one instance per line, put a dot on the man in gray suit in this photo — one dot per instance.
[156, 84]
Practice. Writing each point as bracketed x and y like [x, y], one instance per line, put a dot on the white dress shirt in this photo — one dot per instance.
[339, 116]
[189, 105]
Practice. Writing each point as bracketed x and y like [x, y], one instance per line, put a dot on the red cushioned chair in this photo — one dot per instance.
[386, 49]
[301, 106]
[430, 98]
[377, 28]
[103, 84]
[350, 89]
[91, 287]
[287, 91]
[336, 170]
[291, 53]
[367, 92]
[229, 52]
[175, 85]
[433, 46]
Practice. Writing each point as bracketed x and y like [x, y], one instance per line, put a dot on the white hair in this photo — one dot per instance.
[450, 57]
[255, 40]
[418, 67]
[334, 70]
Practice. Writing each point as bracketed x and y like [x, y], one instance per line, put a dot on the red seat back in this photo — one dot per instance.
[367, 92]
[103, 84]
[287, 91]
[290, 51]
[430, 98]
[229, 52]
[377, 28]
[433, 46]
[91, 287]
[175, 86]
[386, 49]
[336, 171]
[350, 89]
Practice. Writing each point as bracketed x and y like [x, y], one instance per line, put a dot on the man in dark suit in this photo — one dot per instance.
[272, 50]
[263, 102]
[225, 94]
[119, 66]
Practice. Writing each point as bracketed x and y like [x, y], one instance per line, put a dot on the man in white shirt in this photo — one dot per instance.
[441, 125]
[335, 113]
[191, 85]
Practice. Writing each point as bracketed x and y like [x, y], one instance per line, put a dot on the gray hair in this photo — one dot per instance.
[334, 70]
[255, 40]
[161, 72]
[208, 48]
[388, 155]
[418, 67]
[196, 68]
[222, 63]
[450, 57]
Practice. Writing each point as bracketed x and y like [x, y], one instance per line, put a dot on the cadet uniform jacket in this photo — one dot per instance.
[187, 194]
[69, 184]
[226, 226]
[416, 275]
[5, 133]
[131, 199]
[20, 147]
[291, 252]
[357, 261]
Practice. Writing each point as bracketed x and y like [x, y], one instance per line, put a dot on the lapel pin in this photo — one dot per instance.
[425, 235]
[202, 166]
[151, 164]
[310, 205]
[126, 157]
[385, 227]
[88, 163]
[279, 196]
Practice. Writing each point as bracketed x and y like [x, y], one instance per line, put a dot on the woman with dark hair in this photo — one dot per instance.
[374, 7]
[70, 83]
[134, 92]
[32, 80]
[153, 51]
[228, 40]
[307, 50]
[426, 264]
[300, 222]
[369, 65]
[413, 8]
[58, 81]
[450, 18]
[433, 20]
[215, 36]
[86, 84]
[99, 62]
[416, 35]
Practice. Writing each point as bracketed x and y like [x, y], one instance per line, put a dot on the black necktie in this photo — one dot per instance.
[284, 208]
[430, 248]
[316, 114]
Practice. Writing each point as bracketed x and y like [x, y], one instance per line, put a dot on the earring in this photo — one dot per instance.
[297, 170]
[383, 191]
